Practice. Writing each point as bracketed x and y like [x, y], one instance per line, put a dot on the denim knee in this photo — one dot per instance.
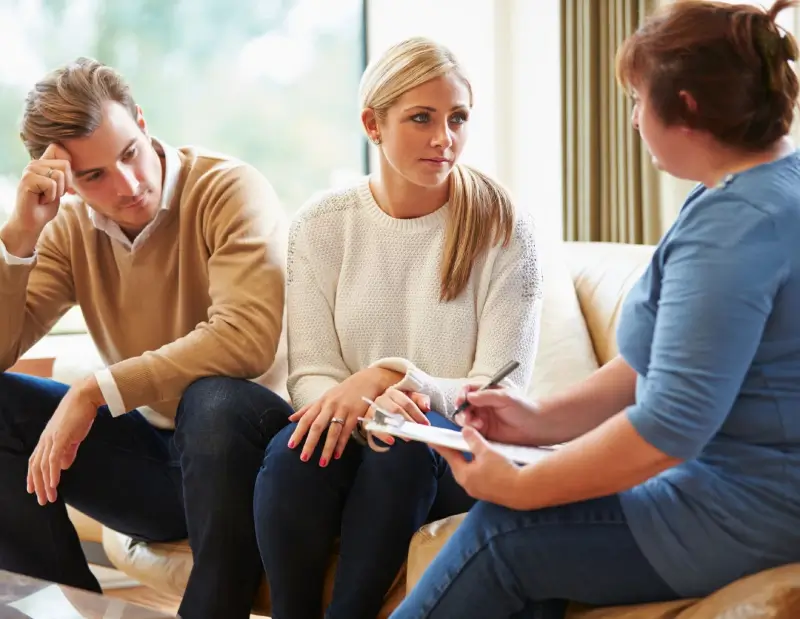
[216, 412]
[9, 439]
[8, 383]
[412, 458]
[10, 386]
[16, 390]
[284, 474]
[496, 519]
[26, 405]
[283, 465]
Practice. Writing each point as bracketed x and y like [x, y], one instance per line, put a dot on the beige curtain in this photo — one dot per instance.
[610, 185]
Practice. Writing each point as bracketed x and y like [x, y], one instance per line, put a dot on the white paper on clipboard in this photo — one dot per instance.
[385, 422]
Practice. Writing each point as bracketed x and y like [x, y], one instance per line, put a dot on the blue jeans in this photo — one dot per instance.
[506, 563]
[373, 502]
[154, 485]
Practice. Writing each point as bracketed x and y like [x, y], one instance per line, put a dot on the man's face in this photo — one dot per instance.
[116, 169]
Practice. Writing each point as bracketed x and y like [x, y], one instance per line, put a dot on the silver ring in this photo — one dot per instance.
[50, 172]
[337, 420]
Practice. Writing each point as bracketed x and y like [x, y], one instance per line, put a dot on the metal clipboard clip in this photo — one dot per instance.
[383, 418]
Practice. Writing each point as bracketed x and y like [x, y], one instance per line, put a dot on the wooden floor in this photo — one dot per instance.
[144, 596]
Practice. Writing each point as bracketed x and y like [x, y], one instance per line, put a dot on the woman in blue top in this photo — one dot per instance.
[682, 468]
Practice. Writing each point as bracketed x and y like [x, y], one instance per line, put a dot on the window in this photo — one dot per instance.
[273, 82]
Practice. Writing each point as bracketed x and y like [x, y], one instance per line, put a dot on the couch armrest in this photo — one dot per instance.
[426, 544]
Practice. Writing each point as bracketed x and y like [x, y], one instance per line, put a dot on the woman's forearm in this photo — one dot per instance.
[579, 409]
[609, 459]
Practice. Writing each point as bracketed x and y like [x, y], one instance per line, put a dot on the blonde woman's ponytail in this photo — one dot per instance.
[481, 216]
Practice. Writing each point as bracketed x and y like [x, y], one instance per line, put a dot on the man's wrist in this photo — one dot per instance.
[89, 389]
[18, 241]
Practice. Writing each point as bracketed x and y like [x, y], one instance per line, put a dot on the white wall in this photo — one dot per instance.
[531, 139]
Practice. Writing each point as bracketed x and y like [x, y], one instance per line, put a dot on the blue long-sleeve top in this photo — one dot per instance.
[713, 331]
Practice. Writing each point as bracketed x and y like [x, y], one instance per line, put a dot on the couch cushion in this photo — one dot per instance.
[165, 567]
[565, 354]
[772, 594]
[89, 530]
[426, 544]
[603, 273]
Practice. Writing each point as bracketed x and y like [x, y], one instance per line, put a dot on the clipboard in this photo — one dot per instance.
[385, 422]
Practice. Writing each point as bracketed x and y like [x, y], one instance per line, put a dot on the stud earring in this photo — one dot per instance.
[376, 140]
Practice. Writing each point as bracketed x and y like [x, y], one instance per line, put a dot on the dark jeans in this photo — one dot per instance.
[516, 564]
[373, 502]
[154, 485]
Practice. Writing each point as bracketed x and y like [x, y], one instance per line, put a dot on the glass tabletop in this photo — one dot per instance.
[22, 597]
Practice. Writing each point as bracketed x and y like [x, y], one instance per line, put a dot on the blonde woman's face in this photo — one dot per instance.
[424, 132]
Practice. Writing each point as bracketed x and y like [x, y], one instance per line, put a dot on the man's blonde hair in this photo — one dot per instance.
[68, 103]
[482, 211]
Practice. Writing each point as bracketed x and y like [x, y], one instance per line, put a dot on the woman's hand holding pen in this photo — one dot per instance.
[500, 415]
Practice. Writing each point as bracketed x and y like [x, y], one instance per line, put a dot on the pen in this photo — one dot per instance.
[493, 382]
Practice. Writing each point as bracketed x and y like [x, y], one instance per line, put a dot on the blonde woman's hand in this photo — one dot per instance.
[412, 406]
[336, 413]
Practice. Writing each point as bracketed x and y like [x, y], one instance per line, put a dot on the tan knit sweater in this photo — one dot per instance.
[203, 296]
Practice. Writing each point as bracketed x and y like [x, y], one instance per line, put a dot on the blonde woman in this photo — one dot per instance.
[405, 287]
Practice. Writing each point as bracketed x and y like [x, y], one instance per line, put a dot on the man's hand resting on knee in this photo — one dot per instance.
[63, 434]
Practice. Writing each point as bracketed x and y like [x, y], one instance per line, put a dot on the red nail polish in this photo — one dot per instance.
[337, 455]
[291, 444]
[323, 462]
[304, 458]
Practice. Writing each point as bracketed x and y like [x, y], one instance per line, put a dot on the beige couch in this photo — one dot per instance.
[585, 285]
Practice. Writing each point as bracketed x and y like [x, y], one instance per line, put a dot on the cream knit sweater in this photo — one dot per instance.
[363, 290]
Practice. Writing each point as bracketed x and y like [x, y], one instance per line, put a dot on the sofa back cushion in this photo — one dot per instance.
[565, 354]
[602, 274]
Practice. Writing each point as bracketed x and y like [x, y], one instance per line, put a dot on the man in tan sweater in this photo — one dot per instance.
[176, 258]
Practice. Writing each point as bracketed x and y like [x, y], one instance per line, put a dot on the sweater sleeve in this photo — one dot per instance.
[508, 326]
[35, 293]
[242, 225]
[315, 358]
